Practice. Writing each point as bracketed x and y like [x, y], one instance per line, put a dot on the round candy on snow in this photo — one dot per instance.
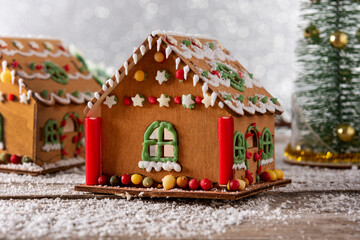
[242, 184]
[16, 159]
[102, 180]
[205, 184]
[265, 176]
[125, 179]
[169, 182]
[272, 175]
[26, 159]
[148, 182]
[182, 181]
[279, 174]
[233, 185]
[114, 181]
[193, 184]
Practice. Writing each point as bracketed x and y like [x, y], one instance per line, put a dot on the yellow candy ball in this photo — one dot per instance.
[6, 76]
[159, 57]
[279, 174]
[242, 184]
[182, 181]
[140, 75]
[272, 175]
[136, 179]
[169, 182]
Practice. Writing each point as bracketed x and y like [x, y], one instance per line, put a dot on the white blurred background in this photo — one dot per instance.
[262, 34]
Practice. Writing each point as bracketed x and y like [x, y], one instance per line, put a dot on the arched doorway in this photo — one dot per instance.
[71, 133]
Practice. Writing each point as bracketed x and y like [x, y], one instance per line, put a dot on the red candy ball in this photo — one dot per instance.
[193, 184]
[177, 100]
[214, 72]
[125, 179]
[102, 180]
[152, 100]
[180, 74]
[127, 101]
[205, 184]
[16, 159]
[10, 97]
[234, 185]
[265, 176]
[198, 100]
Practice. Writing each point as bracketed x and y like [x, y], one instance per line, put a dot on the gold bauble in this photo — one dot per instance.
[311, 31]
[345, 132]
[338, 39]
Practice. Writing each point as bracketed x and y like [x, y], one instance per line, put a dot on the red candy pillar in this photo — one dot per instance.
[93, 150]
[226, 151]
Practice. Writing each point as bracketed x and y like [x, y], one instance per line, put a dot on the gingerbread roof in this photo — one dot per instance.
[47, 70]
[213, 66]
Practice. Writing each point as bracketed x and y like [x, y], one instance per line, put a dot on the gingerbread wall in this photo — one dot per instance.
[124, 126]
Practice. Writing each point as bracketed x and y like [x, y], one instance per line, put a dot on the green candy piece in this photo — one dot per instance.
[211, 46]
[257, 178]
[44, 93]
[60, 92]
[227, 97]
[26, 159]
[253, 99]
[4, 158]
[205, 74]
[148, 182]
[264, 99]
[88, 93]
[114, 181]
[241, 98]
[186, 42]
[76, 93]
[274, 100]
[32, 66]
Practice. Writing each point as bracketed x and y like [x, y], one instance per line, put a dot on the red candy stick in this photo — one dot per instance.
[93, 150]
[225, 137]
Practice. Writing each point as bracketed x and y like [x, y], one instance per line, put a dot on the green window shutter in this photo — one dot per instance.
[266, 144]
[239, 147]
[51, 133]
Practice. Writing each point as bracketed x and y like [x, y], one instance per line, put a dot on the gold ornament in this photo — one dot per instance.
[312, 32]
[338, 39]
[345, 132]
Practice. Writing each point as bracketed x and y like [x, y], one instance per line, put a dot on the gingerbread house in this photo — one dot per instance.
[43, 91]
[181, 105]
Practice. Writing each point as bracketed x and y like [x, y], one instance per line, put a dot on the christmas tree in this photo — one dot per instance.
[326, 104]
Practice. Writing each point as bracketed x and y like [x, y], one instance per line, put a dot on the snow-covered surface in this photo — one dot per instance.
[311, 194]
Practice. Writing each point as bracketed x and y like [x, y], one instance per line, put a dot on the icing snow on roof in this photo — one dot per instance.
[220, 73]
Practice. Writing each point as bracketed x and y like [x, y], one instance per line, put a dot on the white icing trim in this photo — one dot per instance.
[90, 105]
[266, 161]
[135, 58]
[142, 49]
[4, 65]
[126, 65]
[1, 145]
[33, 75]
[177, 61]
[3, 44]
[171, 40]
[195, 79]
[213, 98]
[18, 44]
[12, 73]
[96, 95]
[78, 75]
[44, 54]
[83, 97]
[204, 88]
[51, 147]
[158, 42]
[221, 105]
[168, 51]
[186, 70]
[150, 41]
[239, 166]
[117, 76]
[163, 32]
[157, 166]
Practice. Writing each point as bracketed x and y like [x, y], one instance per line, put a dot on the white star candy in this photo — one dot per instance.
[161, 77]
[187, 101]
[163, 100]
[23, 98]
[138, 100]
[1, 97]
[207, 100]
[110, 101]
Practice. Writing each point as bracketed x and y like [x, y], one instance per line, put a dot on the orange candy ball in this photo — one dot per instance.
[159, 57]
[182, 181]
[140, 76]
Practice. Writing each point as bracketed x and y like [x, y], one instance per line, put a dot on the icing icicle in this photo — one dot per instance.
[12, 73]
[126, 65]
[150, 41]
[168, 51]
[142, 49]
[213, 98]
[177, 61]
[195, 79]
[158, 42]
[135, 58]
[117, 76]
[186, 70]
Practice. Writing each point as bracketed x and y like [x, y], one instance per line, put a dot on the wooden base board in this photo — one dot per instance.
[42, 172]
[180, 193]
[321, 164]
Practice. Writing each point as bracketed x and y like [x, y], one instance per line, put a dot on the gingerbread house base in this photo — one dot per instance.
[35, 170]
[180, 193]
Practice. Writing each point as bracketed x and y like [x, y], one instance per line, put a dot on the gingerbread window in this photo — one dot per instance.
[266, 144]
[239, 147]
[160, 143]
[51, 133]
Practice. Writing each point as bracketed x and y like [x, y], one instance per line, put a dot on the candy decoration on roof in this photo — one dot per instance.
[48, 46]
[3, 44]
[5, 74]
[56, 73]
[110, 101]
[140, 76]
[34, 45]
[162, 76]
[18, 44]
[164, 100]
[188, 101]
[138, 100]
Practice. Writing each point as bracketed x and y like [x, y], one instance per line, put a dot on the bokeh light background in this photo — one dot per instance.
[262, 34]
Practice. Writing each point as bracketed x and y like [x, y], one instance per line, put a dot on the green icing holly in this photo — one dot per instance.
[211, 46]
[60, 92]
[186, 42]
[32, 66]
[44, 93]
[205, 74]
[274, 100]
[227, 73]
[241, 98]
[56, 73]
[253, 99]
[264, 99]
[227, 97]
[251, 75]
[75, 94]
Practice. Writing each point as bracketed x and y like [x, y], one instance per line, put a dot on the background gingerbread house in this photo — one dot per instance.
[159, 113]
[43, 91]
